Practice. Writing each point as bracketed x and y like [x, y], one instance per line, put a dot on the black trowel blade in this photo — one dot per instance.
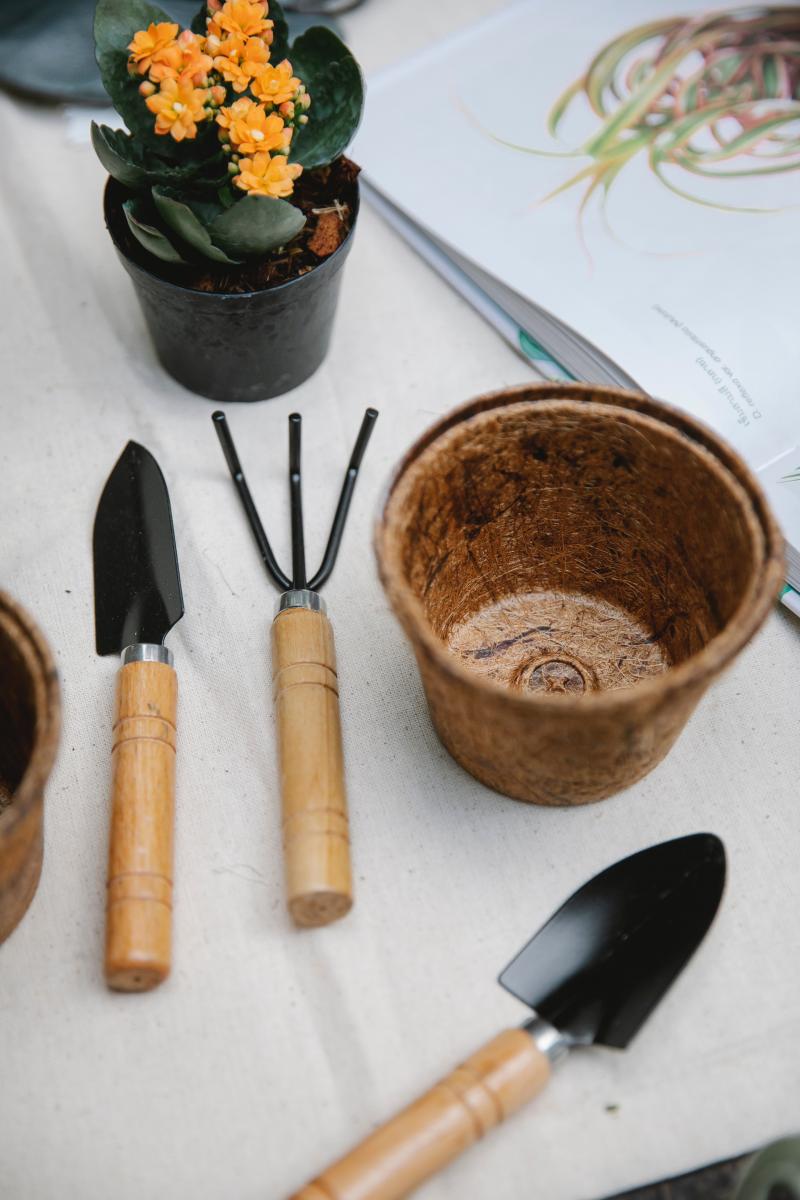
[603, 961]
[137, 588]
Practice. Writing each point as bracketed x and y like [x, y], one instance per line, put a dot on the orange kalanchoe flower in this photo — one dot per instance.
[239, 63]
[264, 175]
[250, 129]
[185, 60]
[276, 85]
[196, 62]
[255, 57]
[150, 43]
[241, 18]
[178, 107]
[228, 47]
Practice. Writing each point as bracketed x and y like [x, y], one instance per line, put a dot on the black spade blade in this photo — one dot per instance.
[603, 961]
[137, 587]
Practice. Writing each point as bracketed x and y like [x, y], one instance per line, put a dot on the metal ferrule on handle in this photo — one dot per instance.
[139, 899]
[300, 598]
[554, 1044]
[147, 652]
[315, 826]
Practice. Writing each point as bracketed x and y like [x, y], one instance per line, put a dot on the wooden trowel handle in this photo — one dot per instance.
[139, 901]
[482, 1092]
[315, 828]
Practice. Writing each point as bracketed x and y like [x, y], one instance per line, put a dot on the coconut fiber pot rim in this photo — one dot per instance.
[110, 200]
[698, 669]
[18, 625]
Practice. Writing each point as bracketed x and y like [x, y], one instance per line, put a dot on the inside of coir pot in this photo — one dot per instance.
[17, 716]
[568, 548]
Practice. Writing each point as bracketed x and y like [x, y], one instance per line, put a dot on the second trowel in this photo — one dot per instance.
[137, 596]
[592, 974]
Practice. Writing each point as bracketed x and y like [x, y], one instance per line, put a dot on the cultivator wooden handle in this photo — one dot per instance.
[315, 827]
[139, 899]
[441, 1125]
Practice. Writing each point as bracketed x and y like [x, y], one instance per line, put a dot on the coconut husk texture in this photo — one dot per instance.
[30, 720]
[573, 565]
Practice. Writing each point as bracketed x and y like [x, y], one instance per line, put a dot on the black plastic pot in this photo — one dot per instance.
[235, 345]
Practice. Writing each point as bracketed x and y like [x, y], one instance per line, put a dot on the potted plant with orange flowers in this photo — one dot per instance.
[230, 202]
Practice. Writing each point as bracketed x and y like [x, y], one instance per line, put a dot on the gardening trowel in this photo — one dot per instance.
[593, 973]
[137, 598]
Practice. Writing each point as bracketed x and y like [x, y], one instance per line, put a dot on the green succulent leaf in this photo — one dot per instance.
[336, 86]
[189, 222]
[198, 24]
[115, 23]
[134, 166]
[154, 240]
[280, 33]
[255, 225]
[121, 156]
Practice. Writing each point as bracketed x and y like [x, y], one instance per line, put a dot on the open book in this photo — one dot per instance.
[617, 189]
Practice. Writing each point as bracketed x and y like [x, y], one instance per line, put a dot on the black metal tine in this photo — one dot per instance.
[345, 496]
[296, 497]
[237, 475]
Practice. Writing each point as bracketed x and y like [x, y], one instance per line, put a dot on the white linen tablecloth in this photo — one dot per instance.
[269, 1051]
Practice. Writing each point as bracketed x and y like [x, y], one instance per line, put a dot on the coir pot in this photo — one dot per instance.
[30, 721]
[234, 346]
[574, 565]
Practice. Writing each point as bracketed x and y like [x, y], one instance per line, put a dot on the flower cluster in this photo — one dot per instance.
[218, 130]
[188, 79]
[177, 88]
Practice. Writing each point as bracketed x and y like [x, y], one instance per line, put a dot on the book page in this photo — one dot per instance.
[659, 222]
[781, 481]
